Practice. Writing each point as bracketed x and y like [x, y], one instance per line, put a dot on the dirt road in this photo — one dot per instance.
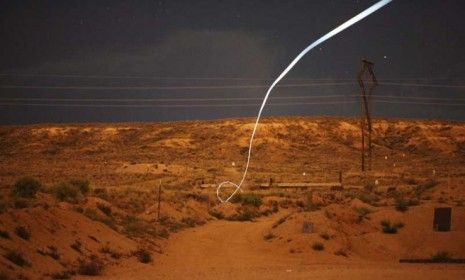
[236, 250]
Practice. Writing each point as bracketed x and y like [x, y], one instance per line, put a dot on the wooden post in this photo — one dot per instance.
[159, 200]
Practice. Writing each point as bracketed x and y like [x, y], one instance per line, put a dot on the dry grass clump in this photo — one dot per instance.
[90, 267]
[23, 232]
[318, 246]
[391, 228]
[25, 187]
[17, 258]
[143, 255]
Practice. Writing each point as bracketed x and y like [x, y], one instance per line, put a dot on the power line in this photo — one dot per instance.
[224, 105]
[221, 98]
[209, 78]
[168, 87]
[316, 84]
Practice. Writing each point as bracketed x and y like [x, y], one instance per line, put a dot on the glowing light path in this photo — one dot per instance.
[333, 32]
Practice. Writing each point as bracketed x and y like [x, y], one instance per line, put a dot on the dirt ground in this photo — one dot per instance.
[96, 212]
[235, 250]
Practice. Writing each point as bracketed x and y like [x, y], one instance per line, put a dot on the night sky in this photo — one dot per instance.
[125, 61]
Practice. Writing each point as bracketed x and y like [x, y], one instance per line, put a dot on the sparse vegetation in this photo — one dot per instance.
[105, 209]
[421, 188]
[217, 214]
[4, 234]
[269, 236]
[81, 185]
[61, 275]
[65, 192]
[252, 200]
[441, 256]
[391, 228]
[245, 215]
[26, 187]
[143, 255]
[16, 258]
[325, 235]
[401, 204]
[106, 249]
[341, 252]
[76, 246]
[362, 213]
[318, 246]
[23, 232]
[90, 267]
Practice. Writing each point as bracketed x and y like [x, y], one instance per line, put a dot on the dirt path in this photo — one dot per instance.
[236, 250]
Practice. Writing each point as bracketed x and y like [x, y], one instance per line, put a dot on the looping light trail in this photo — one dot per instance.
[325, 37]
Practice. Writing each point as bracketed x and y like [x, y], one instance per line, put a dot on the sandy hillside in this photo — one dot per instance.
[89, 203]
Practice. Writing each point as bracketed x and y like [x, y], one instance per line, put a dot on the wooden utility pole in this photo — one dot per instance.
[159, 201]
[365, 108]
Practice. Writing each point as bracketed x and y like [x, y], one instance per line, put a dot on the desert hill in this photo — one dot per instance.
[96, 209]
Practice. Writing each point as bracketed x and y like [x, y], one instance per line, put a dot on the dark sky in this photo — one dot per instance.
[154, 60]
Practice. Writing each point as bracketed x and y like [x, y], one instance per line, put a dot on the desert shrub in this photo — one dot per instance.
[237, 198]
[318, 246]
[362, 213]
[106, 249]
[368, 198]
[20, 203]
[16, 258]
[191, 222]
[252, 199]
[269, 236]
[441, 256]
[245, 215]
[53, 252]
[340, 252]
[419, 189]
[391, 228]
[4, 234]
[23, 232]
[65, 192]
[61, 275]
[76, 246]
[163, 233]
[104, 208]
[93, 215]
[90, 267]
[25, 187]
[143, 255]
[81, 185]
[325, 235]
[217, 214]
[401, 204]
[101, 193]
[132, 226]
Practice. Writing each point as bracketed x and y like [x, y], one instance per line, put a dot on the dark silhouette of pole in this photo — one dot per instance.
[159, 200]
[365, 109]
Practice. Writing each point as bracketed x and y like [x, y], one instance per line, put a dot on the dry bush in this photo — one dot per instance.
[65, 192]
[217, 214]
[16, 258]
[4, 234]
[325, 235]
[143, 255]
[269, 236]
[61, 275]
[391, 228]
[23, 232]
[318, 246]
[90, 267]
[26, 187]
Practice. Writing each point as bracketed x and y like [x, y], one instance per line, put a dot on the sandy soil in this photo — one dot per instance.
[235, 250]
